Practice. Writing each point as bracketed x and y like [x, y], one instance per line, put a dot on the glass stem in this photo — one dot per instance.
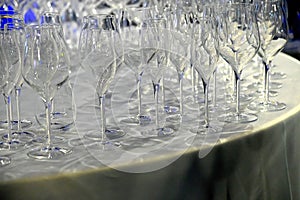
[52, 108]
[48, 106]
[181, 92]
[156, 90]
[7, 101]
[163, 90]
[17, 94]
[215, 88]
[103, 119]
[266, 81]
[206, 112]
[237, 81]
[139, 95]
[193, 82]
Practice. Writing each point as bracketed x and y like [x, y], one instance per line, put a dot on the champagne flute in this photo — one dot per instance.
[102, 61]
[238, 42]
[45, 70]
[273, 32]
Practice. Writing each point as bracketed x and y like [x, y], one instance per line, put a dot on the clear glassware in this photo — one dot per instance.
[62, 118]
[102, 60]
[274, 34]
[18, 125]
[45, 70]
[4, 160]
[180, 25]
[10, 69]
[155, 41]
[130, 22]
[206, 64]
[238, 42]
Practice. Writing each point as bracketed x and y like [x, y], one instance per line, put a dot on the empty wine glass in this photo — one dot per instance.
[130, 22]
[16, 21]
[274, 34]
[180, 25]
[103, 60]
[45, 70]
[206, 63]
[238, 42]
[61, 118]
[155, 41]
[4, 160]
[10, 69]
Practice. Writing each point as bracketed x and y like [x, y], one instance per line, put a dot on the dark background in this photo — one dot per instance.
[293, 46]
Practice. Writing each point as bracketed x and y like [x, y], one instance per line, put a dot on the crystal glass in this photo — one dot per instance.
[238, 42]
[45, 70]
[130, 22]
[180, 24]
[16, 21]
[206, 64]
[102, 60]
[61, 118]
[10, 72]
[274, 34]
[4, 160]
[155, 41]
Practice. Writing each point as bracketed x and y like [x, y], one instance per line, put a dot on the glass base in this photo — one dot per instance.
[270, 106]
[23, 136]
[203, 130]
[110, 134]
[138, 120]
[213, 127]
[238, 118]
[4, 161]
[160, 132]
[11, 145]
[48, 152]
[171, 109]
[24, 124]
[164, 131]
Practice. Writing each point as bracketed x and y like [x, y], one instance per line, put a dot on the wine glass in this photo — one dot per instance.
[16, 21]
[180, 24]
[130, 23]
[4, 160]
[273, 32]
[155, 42]
[102, 60]
[61, 118]
[10, 69]
[238, 42]
[45, 70]
[206, 64]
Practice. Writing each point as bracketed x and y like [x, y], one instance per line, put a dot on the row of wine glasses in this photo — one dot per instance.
[190, 36]
[40, 64]
[208, 33]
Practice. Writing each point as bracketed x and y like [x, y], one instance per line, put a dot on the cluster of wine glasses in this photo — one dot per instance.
[196, 39]
[37, 55]
[189, 36]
